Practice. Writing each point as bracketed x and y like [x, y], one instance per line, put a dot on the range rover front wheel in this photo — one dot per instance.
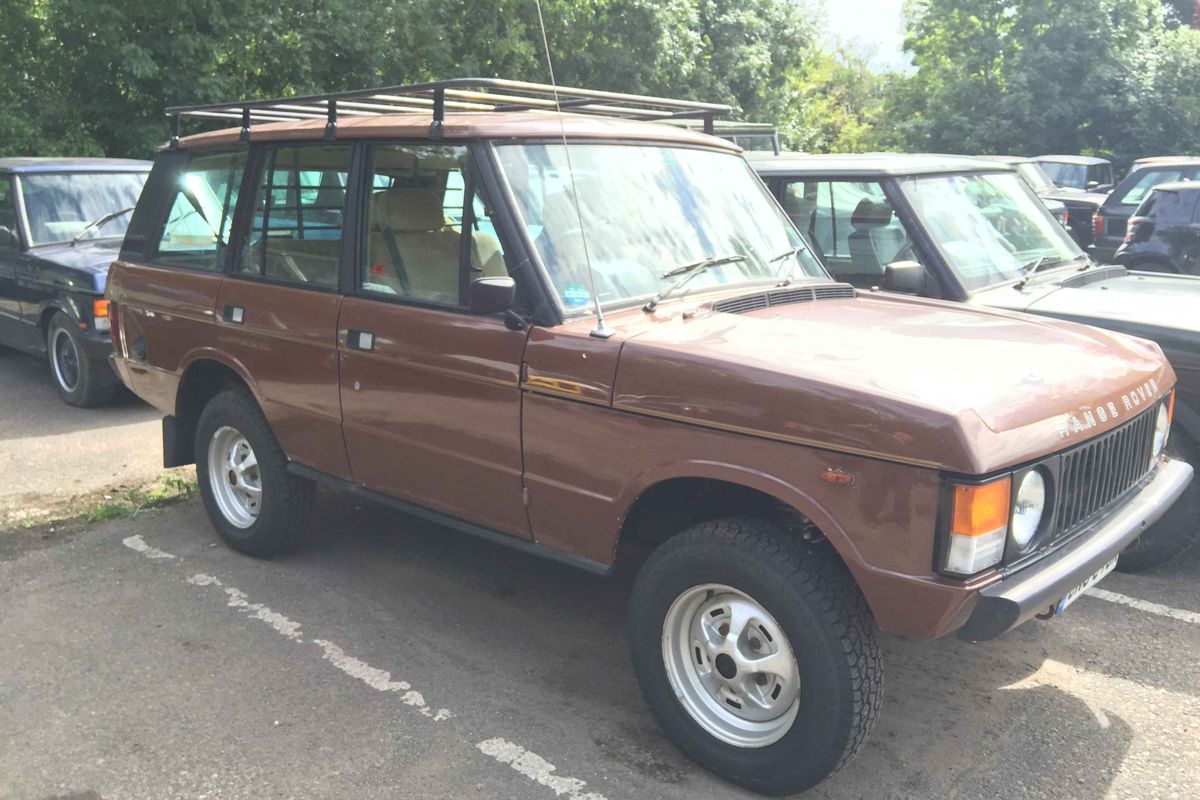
[756, 653]
[253, 502]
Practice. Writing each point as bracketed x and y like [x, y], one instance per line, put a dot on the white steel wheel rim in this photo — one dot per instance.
[731, 666]
[65, 359]
[234, 477]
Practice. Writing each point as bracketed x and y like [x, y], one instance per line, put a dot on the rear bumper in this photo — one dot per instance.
[1014, 600]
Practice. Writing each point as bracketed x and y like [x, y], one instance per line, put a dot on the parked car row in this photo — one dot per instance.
[849, 396]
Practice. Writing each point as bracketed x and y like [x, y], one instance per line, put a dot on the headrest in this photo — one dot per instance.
[870, 214]
[406, 210]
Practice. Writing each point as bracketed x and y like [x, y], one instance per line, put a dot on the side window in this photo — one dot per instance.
[296, 231]
[1147, 181]
[852, 224]
[196, 233]
[425, 239]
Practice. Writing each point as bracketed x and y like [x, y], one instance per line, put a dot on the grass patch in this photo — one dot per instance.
[168, 489]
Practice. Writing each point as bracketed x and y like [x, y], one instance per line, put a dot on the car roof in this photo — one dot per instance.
[465, 125]
[1069, 159]
[1177, 186]
[33, 165]
[1167, 161]
[869, 164]
[1008, 159]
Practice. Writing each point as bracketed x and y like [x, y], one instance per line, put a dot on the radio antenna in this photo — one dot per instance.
[601, 331]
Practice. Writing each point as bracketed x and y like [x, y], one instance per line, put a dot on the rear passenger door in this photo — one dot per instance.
[430, 392]
[278, 308]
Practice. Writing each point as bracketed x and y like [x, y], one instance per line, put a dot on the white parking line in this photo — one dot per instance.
[536, 768]
[378, 679]
[138, 545]
[237, 599]
[524, 762]
[1145, 605]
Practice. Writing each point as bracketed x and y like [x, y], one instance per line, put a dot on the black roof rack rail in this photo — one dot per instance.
[441, 97]
[743, 134]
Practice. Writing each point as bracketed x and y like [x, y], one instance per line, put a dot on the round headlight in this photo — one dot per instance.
[1162, 428]
[1028, 509]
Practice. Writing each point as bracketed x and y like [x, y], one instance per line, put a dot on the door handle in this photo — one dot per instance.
[360, 340]
[234, 314]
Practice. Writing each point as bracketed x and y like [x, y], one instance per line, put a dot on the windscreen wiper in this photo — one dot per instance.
[1028, 270]
[99, 222]
[791, 268]
[689, 271]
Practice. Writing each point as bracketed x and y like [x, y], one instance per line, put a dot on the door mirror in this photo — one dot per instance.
[8, 237]
[492, 295]
[904, 276]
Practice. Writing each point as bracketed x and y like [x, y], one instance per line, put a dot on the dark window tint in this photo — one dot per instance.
[196, 233]
[421, 230]
[851, 224]
[1141, 184]
[296, 231]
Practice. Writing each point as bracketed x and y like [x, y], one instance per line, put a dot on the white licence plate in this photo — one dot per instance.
[1073, 595]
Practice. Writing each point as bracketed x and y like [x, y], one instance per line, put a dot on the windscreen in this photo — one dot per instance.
[1072, 176]
[989, 227]
[645, 211]
[61, 206]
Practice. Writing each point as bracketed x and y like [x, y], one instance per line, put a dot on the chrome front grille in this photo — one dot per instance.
[784, 296]
[1099, 472]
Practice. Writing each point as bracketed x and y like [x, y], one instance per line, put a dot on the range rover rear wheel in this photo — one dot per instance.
[1178, 529]
[253, 502]
[79, 380]
[756, 653]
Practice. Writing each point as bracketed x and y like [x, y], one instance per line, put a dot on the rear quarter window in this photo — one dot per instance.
[200, 201]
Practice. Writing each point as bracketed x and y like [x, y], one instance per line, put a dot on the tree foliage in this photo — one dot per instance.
[1037, 76]
[94, 76]
[1120, 77]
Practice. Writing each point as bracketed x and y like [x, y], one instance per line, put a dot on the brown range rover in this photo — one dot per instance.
[398, 292]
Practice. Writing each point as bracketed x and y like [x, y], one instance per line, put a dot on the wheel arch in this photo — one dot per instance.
[204, 375]
[668, 500]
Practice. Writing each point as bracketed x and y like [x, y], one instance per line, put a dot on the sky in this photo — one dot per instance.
[872, 28]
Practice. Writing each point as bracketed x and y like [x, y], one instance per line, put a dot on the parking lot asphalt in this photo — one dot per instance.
[51, 452]
[393, 658]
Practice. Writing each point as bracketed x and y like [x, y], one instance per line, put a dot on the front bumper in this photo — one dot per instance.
[1012, 601]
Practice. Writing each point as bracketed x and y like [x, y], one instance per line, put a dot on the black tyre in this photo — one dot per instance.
[80, 381]
[1178, 529]
[254, 503]
[756, 653]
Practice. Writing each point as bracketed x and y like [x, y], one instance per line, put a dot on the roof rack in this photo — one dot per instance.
[743, 134]
[440, 97]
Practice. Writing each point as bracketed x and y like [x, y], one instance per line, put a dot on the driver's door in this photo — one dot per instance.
[430, 393]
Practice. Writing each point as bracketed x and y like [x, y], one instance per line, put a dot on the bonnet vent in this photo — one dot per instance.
[781, 297]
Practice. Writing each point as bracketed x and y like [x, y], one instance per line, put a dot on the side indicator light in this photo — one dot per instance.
[838, 477]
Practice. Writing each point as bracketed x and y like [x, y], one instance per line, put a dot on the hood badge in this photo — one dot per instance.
[1125, 405]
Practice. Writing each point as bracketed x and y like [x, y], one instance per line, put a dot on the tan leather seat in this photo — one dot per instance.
[414, 250]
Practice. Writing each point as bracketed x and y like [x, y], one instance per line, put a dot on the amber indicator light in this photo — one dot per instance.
[981, 509]
[1171, 408]
[100, 308]
[837, 477]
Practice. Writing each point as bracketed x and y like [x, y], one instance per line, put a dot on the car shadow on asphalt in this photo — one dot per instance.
[32, 406]
[958, 720]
